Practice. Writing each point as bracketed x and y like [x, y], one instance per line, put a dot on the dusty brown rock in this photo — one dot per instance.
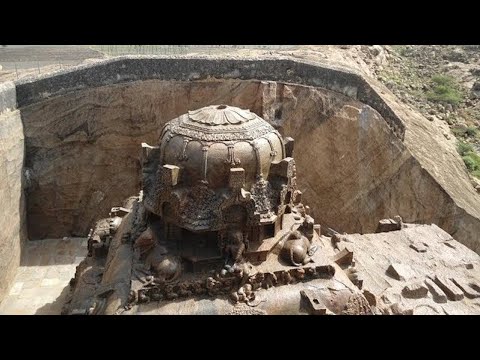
[418, 247]
[374, 253]
[400, 272]
[386, 225]
[371, 298]
[92, 161]
[467, 290]
[415, 290]
[437, 293]
[344, 257]
[364, 172]
[453, 292]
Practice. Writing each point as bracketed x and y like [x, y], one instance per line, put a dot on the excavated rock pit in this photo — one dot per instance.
[361, 155]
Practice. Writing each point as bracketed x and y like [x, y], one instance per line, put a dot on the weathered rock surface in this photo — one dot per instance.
[434, 276]
[12, 214]
[84, 148]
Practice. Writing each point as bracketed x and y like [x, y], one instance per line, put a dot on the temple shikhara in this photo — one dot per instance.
[220, 227]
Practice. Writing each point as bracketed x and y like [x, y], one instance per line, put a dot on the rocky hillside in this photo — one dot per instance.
[442, 83]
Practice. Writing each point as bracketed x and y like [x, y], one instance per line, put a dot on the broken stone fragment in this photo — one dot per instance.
[419, 247]
[449, 288]
[415, 290]
[387, 225]
[400, 272]
[371, 298]
[437, 293]
[344, 257]
[450, 244]
[398, 309]
[467, 290]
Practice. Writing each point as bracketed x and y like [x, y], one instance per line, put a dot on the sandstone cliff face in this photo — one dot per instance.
[353, 171]
[83, 149]
[12, 219]
[83, 152]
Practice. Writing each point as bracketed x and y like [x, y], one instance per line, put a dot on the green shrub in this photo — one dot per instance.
[444, 90]
[401, 50]
[470, 163]
[470, 158]
[465, 132]
[451, 120]
[443, 80]
[471, 131]
[464, 148]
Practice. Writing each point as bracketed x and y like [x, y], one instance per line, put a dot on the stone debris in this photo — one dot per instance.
[400, 272]
[415, 290]
[437, 293]
[449, 288]
[371, 298]
[398, 309]
[419, 247]
[449, 244]
[344, 257]
[467, 290]
[387, 225]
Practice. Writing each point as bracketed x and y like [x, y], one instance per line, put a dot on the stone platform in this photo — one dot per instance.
[42, 281]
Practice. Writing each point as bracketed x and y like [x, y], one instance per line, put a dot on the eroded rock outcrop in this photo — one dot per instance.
[12, 217]
[83, 148]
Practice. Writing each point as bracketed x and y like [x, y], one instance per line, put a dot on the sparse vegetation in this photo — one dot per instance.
[465, 132]
[464, 148]
[451, 120]
[400, 49]
[470, 158]
[444, 89]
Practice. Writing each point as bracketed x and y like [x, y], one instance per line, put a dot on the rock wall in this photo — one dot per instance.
[83, 149]
[361, 155]
[12, 218]
[83, 153]
[353, 171]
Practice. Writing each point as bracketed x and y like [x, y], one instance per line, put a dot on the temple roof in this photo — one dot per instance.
[221, 115]
[219, 123]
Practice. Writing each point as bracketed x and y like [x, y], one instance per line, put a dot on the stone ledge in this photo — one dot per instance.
[183, 68]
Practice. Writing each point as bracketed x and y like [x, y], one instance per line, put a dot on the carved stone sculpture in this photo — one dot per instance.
[219, 216]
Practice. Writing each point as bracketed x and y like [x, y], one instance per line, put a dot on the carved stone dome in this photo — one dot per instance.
[206, 143]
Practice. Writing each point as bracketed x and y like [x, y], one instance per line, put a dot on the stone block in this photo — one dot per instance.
[289, 146]
[344, 257]
[467, 290]
[437, 293]
[314, 303]
[415, 290]
[449, 288]
[387, 225]
[170, 174]
[283, 168]
[400, 272]
[237, 178]
[419, 247]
